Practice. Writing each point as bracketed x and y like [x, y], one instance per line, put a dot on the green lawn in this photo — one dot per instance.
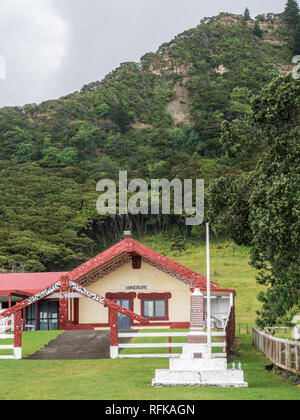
[31, 342]
[125, 379]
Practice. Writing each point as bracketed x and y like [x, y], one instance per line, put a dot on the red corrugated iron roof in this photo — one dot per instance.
[27, 282]
[18, 293]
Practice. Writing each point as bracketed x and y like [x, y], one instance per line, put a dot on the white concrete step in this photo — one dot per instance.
[229, 378]
[198, 364]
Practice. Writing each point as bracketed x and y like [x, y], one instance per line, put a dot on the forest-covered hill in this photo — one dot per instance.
[159, 118]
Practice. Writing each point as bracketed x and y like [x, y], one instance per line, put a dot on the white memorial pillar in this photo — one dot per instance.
[208, 300]
[197, 321]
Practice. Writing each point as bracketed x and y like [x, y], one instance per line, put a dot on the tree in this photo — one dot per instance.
[120, 116]
[274, 205]
[87, 136]
[68, 156]
[262, 207]
[296, 46]
[102, 110]
[257, 30]
[292, 13]
[27, 152]
[247, 14]
[275, 202]
[178, 244]
[228, 208]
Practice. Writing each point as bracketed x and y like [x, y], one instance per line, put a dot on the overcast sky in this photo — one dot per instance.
[53, 47]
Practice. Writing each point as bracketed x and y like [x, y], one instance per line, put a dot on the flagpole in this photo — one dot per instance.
[208, 300]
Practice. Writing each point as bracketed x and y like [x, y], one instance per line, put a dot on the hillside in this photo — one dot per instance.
[157, 118]
[229, 268]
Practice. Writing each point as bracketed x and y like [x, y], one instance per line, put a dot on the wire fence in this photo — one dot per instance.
[244, 328]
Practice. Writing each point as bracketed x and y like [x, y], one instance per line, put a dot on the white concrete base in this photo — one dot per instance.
[189, 350]
[205, 371]
[17, 353]
[165, 377]
[219, 378]
[114, 352]
[224, 378]
[198, 364]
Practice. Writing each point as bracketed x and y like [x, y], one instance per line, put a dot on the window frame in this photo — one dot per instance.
[154, 309]
[155, 297]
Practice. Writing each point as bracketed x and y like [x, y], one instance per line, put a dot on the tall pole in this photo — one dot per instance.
[208, 300]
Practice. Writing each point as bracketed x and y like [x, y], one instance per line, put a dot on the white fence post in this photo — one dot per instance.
[296, 333]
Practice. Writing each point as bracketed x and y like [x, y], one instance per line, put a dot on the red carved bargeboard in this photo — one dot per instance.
[127, 251]
[64, 285]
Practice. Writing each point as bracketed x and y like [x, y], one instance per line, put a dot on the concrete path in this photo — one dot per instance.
[76, 345]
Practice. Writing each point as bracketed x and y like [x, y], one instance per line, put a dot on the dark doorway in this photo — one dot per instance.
[123, 320]
[31, 316]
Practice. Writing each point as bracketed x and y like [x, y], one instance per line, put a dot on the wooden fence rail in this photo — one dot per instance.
[283, 353]
[169, 344]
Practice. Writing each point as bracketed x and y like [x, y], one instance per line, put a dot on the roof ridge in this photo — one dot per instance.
[130, 246]
[119, 254]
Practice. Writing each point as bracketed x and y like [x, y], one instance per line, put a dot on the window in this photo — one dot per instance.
[48, 315]
[155, 308]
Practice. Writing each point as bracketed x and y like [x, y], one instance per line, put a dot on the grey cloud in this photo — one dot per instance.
[96, 36]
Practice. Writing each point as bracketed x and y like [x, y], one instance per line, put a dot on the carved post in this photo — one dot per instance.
[76, 311]
[63, 305]
[24, 319]
[114, 340]
[18, 335]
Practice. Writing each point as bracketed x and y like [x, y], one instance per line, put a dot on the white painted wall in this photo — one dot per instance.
[160, 282]
[157, 282]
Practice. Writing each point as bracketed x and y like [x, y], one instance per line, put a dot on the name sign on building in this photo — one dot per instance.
[138, 287]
